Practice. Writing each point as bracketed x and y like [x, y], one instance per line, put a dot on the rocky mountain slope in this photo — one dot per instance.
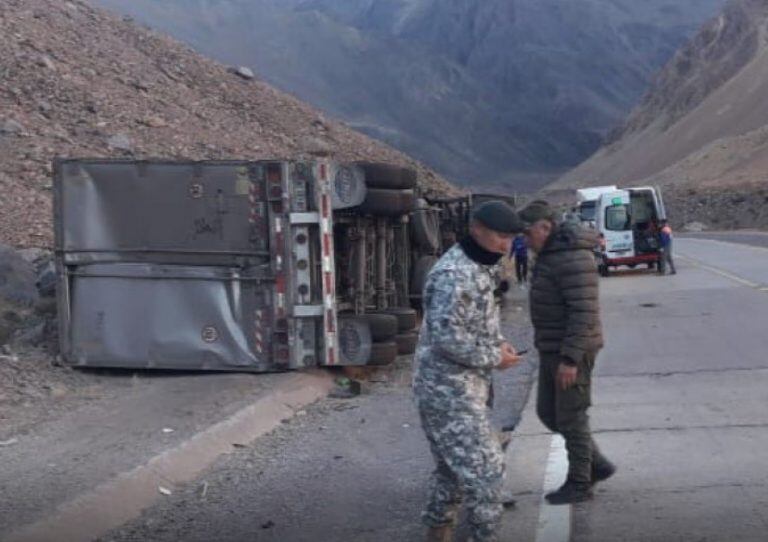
[703, 125]
[493, 92]
[77, 81]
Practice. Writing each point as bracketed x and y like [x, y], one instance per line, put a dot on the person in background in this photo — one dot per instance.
[520, 253]
[665, 245]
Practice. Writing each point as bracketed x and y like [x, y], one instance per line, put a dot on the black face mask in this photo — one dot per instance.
[478, 254]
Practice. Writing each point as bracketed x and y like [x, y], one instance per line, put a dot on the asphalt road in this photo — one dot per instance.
[346, 470]
[681, 397]
[744, 237]
[681, 391]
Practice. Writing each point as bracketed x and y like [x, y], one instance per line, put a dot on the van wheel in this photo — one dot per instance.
[383, 326]
[651, 265]
[406, 318]
[388, 176]
[406, 343]
[384, 202]
[383, 353]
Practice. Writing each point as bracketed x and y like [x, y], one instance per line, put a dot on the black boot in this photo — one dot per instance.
[602, 469]
[571, 492]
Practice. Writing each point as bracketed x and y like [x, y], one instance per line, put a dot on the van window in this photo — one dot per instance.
[587, 210]
[617, 218]
[642, 207]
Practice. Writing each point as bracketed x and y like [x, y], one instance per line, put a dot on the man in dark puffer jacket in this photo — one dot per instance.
[565, 312]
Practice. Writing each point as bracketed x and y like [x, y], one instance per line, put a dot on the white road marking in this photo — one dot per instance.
[554, 521]
[722, 273]
[731, 244]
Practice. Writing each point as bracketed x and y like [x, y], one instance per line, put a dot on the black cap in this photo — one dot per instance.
[537, 210]
[498, 216]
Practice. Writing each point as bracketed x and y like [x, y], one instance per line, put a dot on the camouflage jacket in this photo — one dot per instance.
[460, 337]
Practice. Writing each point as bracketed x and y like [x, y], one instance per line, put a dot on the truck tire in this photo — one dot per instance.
[354, 341]
[425, 230]
[388, 176]
[406, 318]
[384, 202]
[406, 343]
[383, 326]
[383, 353]
[419, 276]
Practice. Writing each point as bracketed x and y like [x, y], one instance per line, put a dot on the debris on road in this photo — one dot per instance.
[203, 490]
[346, 389]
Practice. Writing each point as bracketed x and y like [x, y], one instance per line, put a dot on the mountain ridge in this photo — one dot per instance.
[496, 93]
[703, 122]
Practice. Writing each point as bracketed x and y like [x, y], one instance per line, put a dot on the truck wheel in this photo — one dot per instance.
[383, 353]
[406, 343]
[419, 276]
[406, 318]
[354, 341]
[388, 176]
[384, 202]
[383, 326]
[425, 230]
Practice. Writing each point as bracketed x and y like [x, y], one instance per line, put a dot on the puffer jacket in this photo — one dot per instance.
[564, 301]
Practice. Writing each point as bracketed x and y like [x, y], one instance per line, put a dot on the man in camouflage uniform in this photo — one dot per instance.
[565, 311]
[459, 345]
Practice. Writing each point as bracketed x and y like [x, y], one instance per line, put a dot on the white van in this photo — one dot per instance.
[628, 221]
[588, 200]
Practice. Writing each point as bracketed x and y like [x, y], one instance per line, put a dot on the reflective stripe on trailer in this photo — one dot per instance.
[328, 268]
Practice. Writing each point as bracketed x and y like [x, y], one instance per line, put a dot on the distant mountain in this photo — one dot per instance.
[704, 122]
[489, 92]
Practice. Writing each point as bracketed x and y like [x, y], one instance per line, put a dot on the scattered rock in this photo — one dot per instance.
[155, 122]
[315, 145]
[46, 280]
[11, 127]
[244, 72]
[695, 227]
[46, 62]
[120, 142]
[17, 280]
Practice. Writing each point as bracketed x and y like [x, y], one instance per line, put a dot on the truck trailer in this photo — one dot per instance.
[238, 265]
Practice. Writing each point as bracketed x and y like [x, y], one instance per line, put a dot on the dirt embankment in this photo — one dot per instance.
[76, 81]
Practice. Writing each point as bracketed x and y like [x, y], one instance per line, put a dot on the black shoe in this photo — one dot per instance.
[602, 470]
[571, 492]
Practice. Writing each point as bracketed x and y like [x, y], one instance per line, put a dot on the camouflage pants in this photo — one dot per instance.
[565, 412]
[470, 464]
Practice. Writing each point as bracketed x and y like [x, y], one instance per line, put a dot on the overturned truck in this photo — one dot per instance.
[239, 265]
